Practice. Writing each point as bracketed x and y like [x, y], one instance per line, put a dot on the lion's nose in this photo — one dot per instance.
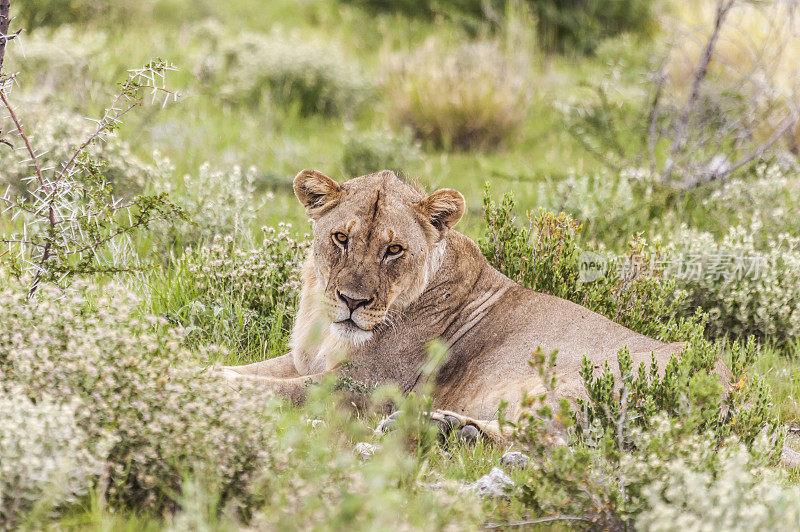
[353, 304]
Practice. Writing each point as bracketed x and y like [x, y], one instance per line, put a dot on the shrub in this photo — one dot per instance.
[768, 196]
[624, 474]
[471, 97]
[181, 439]
[372, 151]
[562, 25]
[35, 13]
[241, 298]
[221, 202]
[297, 70]
[545, 256]
[688, 390]
[736, 493]
[134, 381]
[45, 462]
[581, 25]
[745, 291]
[57, 135]
[72, 223]
[53, 70]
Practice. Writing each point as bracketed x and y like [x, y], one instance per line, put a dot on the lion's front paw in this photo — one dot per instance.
[230, 374]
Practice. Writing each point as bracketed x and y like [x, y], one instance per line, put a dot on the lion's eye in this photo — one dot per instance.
[341, 238]
[394, 249]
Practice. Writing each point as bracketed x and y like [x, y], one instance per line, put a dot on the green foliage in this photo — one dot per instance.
[545, 256]
[138, 422]
[71, 223]
[580, 25]
[614, 470]
[240, 298]
[373, 151]
[687, 390]
[134, 382]
[57, 135]
[46, 464]
[562, 25]
[35, 13]
[746, 291]
[297, 71]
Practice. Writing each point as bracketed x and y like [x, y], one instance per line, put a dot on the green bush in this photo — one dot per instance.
[621, 459]
[167, 435]
[292, 70]
[56, 135]
[746, 291]
[562, 25]
[544, 255]
[32, 14]
[580, 25]
[243, 299]
[372, 151]
[667, 474]
[470, 97]
[166, 417]
[219, 202]
[688, 390]
[44, 459]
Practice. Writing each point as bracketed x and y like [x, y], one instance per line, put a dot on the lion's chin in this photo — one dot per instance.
[350, 332]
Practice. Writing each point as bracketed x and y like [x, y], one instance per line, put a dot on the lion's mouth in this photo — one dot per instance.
[349, 323]
[348, 330]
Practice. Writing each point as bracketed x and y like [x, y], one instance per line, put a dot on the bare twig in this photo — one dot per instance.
[543, 520]
[723, 7]
[786, 124]
[655, 111]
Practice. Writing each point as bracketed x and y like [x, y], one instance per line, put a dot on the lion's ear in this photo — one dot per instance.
[443, 209]
[316, 191]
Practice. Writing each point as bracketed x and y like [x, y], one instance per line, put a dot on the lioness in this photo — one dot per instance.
[387, 274]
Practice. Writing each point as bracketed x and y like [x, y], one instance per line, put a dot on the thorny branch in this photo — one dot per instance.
[5, 20]
[79, 219]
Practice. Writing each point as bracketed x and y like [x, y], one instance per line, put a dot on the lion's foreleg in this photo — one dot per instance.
[279, 367]
[294, 388]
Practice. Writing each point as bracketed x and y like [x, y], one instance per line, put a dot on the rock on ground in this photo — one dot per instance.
[365, 450]
[495, 484]
[514, 460]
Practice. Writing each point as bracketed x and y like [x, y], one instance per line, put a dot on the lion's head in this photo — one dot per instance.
[377, 243]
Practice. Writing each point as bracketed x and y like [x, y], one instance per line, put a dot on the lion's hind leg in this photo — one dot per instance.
[450, 424]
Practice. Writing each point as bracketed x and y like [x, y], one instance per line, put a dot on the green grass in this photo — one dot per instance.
[279, 141]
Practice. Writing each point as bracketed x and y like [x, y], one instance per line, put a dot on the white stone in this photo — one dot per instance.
[365, 450]
[495, 484]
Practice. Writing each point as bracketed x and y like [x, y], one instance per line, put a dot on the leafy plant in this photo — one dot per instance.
[544, 255]
[237, 297]
[315, 76]
[626, 462]
[746, 291]
[48, 464]
[373, 151]
[166, 417]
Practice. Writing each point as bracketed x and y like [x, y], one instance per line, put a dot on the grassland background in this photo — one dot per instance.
[72, 66]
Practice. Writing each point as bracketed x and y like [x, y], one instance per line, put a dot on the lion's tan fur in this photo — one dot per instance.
[441, 287]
